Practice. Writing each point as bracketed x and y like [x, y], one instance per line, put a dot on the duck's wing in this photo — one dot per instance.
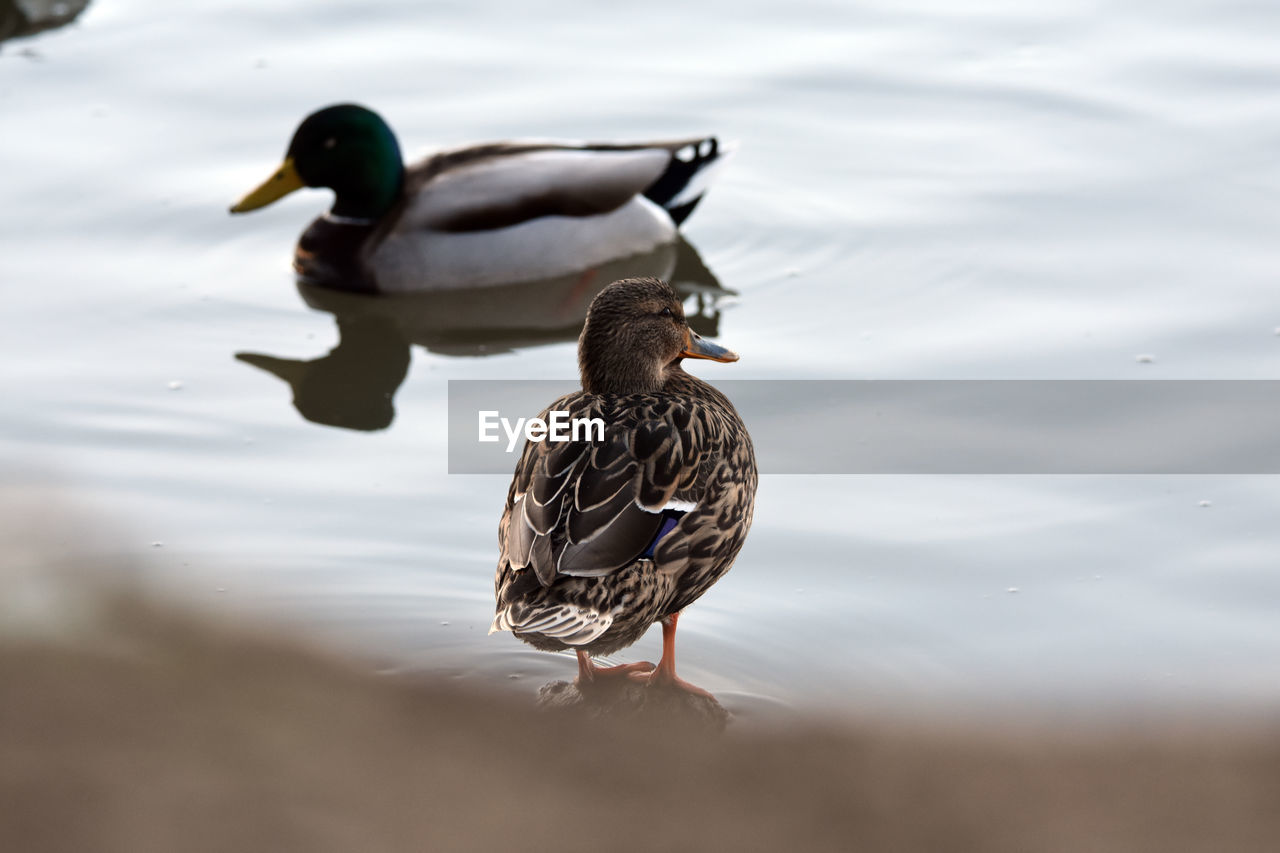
[504, 184]
[588, 508]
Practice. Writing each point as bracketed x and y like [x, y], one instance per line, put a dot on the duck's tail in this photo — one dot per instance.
[562, 622]
[693, 165]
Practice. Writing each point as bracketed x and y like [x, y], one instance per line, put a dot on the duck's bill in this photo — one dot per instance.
[284, 181]
[697, 347]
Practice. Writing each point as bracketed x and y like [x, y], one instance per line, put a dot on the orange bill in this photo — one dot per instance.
[698, 347]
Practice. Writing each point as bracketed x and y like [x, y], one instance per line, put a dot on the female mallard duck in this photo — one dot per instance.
[479, 215]
[602, 539]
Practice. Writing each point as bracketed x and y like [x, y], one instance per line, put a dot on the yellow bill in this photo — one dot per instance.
[279, 185]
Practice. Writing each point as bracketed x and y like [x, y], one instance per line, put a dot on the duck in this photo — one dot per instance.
[479, 215]
[604, 535]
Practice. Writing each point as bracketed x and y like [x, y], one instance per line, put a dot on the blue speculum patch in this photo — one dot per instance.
[670, 518]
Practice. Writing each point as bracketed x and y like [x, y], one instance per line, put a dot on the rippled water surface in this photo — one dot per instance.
[923, 190]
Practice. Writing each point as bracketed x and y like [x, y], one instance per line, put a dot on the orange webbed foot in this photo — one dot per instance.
[591, 675]
[662, 678]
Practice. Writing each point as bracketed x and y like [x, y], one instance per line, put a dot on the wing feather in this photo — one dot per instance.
[603, 486]
[591, 508]
[520, 537]
[515, 184]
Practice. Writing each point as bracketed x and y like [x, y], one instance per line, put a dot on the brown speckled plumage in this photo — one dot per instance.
[581, 516]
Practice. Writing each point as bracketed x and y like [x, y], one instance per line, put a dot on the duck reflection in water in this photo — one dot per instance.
[354, 385]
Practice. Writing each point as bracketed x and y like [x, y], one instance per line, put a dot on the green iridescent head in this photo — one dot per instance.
[348, 149]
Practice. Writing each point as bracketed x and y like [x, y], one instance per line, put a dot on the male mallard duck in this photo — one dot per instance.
[602, 539]
[479, 215]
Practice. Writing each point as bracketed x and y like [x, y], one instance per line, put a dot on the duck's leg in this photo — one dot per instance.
[664, 674]
[589, 673]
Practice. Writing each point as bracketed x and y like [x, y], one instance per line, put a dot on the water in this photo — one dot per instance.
[921, 192]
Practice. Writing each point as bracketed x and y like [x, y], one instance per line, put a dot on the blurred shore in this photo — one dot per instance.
[143, 727]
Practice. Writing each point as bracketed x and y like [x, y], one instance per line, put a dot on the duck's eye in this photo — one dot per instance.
[666, 312]
[330, 142]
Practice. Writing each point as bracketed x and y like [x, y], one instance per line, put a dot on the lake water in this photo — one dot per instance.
[923, 190]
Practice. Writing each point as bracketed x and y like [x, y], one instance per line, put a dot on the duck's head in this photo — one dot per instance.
[635, 337]
[346, 148]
